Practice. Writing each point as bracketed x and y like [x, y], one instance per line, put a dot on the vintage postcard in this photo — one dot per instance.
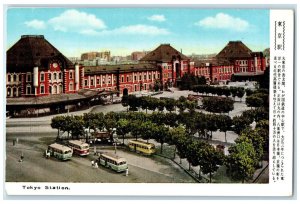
[148, 101]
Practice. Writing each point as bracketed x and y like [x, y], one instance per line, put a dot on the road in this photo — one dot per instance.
[33, 139]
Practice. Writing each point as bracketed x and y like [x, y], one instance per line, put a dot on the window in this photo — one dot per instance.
[28, 77]
[8, 78]
[71, 75]
[71, 87]
[158, 76]
[122, 79]
[145, 76]
[42, 89]
[50, 76]
[15, 77]
[140, 77]
[59, 75]
[8, 91]
[92, 81]
[42, 77]
[98, 81]
[85, 82]
[127, 79]
[134, 77]
[28, 90]
[54, 76]
[20, 77]
[50, 89]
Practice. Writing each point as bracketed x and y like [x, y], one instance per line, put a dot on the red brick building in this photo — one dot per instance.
[234, 59]
[36, 68]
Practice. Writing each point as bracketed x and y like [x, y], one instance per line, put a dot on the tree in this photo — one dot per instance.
[181, 104]
[218, 104]
[240, 161]
[224, 123]
[170, 104]
[161, 105]
[240, 123]
[147, 130]
[176, 134]
[77, 126]
[135, 128]
[110, 122]
[254, 101]
[240, 93]
[122, 128]
[210, 159]
[211, 123]
[133, 102]
[157, 85]
[125, 101]
[160, 133]
[257, 141]
[58, 122]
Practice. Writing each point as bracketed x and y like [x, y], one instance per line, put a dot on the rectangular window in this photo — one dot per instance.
[140, 77]
[71, 75]
[59, 75]
[42, 77]
[28, 90]
[42, 90]
[28, 77]
[85, 82]
[149, 77]
[71, 87]
[122, 79]
[127, 79]
[92, 81]
[98, 81]
[20, 77]
[134, 77]
[8, 78]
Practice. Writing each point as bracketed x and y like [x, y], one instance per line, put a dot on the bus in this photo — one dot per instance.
[80, 148]
[60, 151]
[113, 162]
[141, 146]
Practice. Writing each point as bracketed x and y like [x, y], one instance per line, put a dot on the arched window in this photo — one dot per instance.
[60, 89]
[8, 91]
[54, 91]
[15, 77]
[55, 76]
[8, 78]
[14, 91]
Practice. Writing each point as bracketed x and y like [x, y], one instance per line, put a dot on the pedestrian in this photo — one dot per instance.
[96, 165]
[93, 163]
[126, 172]
[21, 158]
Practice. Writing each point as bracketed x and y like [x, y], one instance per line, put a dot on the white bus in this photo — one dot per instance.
[114, 162]
[80, 148]
[60, 151]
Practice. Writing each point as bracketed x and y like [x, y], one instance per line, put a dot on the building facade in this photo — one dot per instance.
[37, 68]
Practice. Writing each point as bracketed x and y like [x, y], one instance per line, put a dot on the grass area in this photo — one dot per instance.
[168, 150]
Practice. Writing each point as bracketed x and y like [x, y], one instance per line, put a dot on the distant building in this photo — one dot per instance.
[135, 56]
[105, 55]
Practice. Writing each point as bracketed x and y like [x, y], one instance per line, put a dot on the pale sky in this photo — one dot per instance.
[124, 30]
